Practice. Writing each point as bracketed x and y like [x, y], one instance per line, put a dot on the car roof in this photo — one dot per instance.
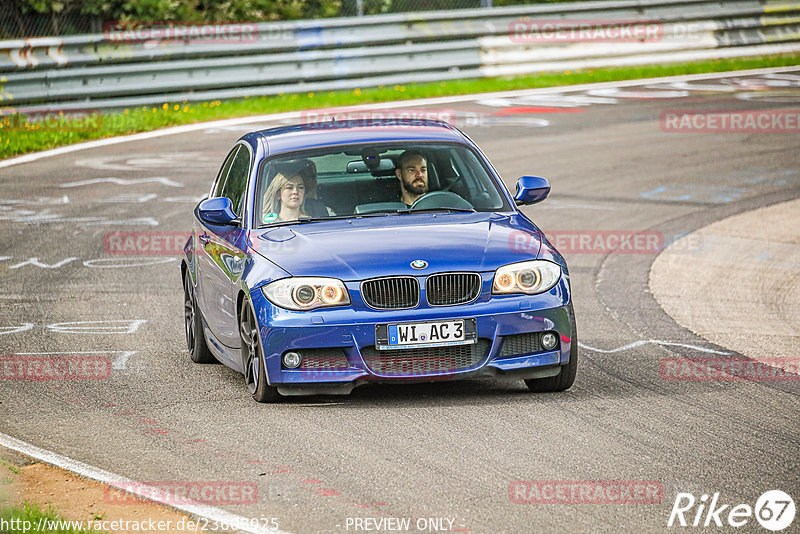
[330, 133]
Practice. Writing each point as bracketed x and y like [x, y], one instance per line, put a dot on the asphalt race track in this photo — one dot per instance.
[452, 451]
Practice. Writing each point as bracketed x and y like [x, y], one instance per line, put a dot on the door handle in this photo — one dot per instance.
[204, 238]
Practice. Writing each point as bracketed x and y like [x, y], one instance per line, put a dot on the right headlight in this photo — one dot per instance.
[307, 293]
[528, 277]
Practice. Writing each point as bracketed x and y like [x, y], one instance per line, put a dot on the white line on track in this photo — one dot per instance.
[211, 513]
[120, 362]
[27, 158]
[653, 341]
[121, 181]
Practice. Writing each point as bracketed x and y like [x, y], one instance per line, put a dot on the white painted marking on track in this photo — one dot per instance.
[15, 329]
[617, 92]
[187, 200]
[125, 262]
[553, 101]
[143, 162]
[134, 198]
[37, 263]
[783, 79]
[119, 363]
[767, 97]
[64, 199]
[688, 86]
[47, 216]
[123, 181]
[211, 513]
[647, 341]
[122, 262]
[243, 128]
[103, 221]
[121, 326]
[554, 204]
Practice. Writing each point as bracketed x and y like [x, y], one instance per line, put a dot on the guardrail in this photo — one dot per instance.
[115, 69]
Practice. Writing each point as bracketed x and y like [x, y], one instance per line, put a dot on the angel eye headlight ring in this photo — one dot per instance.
[526, 277]
[307, 293]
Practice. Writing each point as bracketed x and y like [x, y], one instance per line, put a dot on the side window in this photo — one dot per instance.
[223, 173]
[236, 184]
[481, 194]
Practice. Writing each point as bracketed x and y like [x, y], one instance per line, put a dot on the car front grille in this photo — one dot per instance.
[449, 289]
[425, 361]
[394, 293]
[521, 344]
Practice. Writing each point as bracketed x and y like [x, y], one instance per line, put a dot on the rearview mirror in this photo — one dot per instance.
[531, 189]
[218, 211]
[354, 167]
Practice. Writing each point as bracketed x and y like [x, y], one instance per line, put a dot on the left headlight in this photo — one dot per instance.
[529, 277]
[307, 293]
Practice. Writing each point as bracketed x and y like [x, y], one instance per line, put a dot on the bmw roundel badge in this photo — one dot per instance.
[419, 264]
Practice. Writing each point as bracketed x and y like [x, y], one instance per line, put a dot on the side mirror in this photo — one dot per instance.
[531, 189]
[217, 211]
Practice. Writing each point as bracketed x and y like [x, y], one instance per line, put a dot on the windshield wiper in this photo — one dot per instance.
[445, 210]
[334, 217]
[327, 217]
[302, 220]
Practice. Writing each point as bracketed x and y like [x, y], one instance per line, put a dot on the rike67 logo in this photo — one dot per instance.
[774, 510]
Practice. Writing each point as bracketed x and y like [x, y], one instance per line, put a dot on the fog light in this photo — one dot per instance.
[549, 341]
[291, 360]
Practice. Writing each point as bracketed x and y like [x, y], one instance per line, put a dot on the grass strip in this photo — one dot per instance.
[30, 518]
[18, 136]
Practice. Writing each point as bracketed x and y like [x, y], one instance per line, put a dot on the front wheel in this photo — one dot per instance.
[255, 374]
[566, 377]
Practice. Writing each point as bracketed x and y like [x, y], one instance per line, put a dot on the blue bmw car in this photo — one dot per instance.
[335, 254]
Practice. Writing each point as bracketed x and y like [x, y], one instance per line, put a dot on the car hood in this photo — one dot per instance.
[356, 249]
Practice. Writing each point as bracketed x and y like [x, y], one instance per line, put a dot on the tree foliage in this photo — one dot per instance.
[24, 17]
[28, 18]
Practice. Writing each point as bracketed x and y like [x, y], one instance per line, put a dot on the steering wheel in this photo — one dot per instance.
[441, 199]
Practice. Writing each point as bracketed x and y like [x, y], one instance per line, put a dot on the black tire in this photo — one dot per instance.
[566, 377]
[255, 375]
[193, 326]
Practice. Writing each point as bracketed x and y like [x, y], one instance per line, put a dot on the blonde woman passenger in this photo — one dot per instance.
[285, 197]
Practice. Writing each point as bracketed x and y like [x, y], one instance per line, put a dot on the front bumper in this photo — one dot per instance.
[350, 333]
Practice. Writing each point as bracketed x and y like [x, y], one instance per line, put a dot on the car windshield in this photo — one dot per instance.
[374, 180]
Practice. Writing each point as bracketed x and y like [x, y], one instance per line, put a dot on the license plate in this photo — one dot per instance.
[425, 334]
